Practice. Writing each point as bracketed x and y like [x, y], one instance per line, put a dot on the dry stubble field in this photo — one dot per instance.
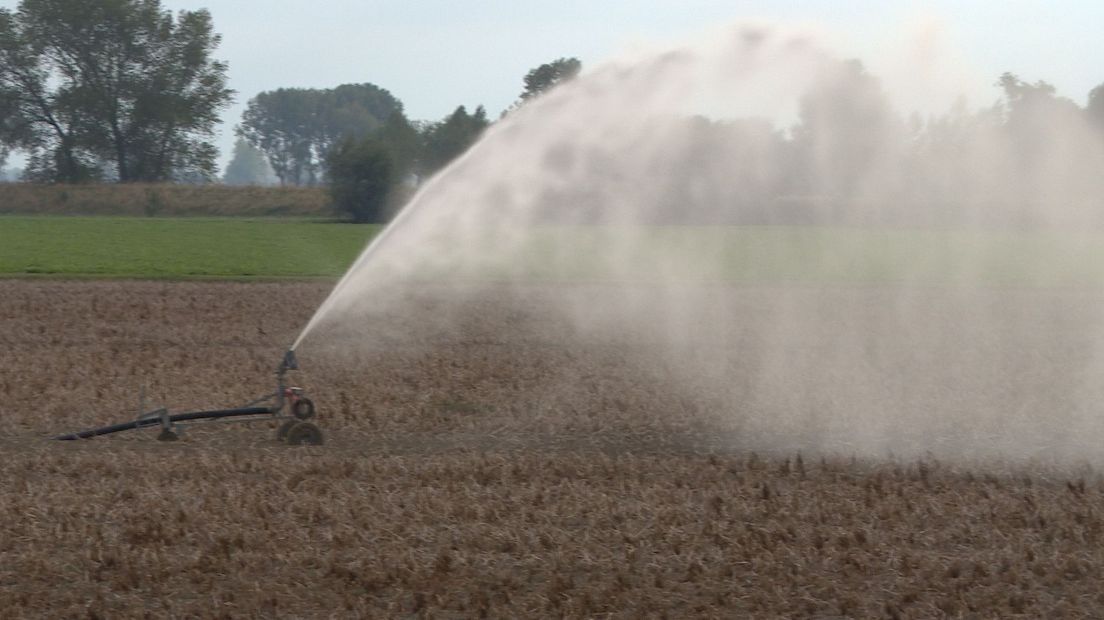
[462, 478]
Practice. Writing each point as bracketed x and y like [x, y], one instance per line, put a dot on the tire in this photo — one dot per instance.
[304, 434]
[281, 433]
[303, 409]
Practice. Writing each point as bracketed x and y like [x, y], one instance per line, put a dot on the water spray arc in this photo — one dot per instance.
[675, 179]
[809, 270]
[374, 247]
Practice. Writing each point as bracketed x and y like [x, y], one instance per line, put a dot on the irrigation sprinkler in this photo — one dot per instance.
[287, 404]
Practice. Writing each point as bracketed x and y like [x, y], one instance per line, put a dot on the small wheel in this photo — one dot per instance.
[304, 434]
[167, 435]
[281, 433]
[303, 409]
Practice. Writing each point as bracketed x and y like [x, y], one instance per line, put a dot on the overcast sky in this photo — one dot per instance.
[436, 54]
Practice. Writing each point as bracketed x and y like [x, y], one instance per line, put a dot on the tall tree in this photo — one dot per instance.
[9, 124]
[403, 141]
[48, 123]
[352, 111]
[544, 77]
[116, 87]
[362, 178]
[846, 131]
[278, 123]
[1035, 118]
[297, 127]
[1028, 104]
[248, 166]
[446, 140]
[1095, 107]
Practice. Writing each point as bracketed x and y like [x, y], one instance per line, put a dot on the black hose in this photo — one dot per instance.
[155, 421]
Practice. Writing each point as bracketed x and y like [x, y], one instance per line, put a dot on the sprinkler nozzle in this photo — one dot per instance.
[289, 362]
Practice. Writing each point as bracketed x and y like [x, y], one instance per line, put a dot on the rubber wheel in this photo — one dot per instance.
[303, 409]
[281, 433]
[304, 434]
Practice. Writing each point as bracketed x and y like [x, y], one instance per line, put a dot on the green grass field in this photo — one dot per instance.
[814, 255]
[177, 247]
[138, 247]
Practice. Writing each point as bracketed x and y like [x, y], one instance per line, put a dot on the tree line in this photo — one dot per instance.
[127, 91]
[851, 157]
[357, 139]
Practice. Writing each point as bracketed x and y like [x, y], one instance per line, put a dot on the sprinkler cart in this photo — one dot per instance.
[288, 404]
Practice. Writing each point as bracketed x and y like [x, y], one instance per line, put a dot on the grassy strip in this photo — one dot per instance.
[298, 248]
[178, 248]
[163, 200]
[791, 254]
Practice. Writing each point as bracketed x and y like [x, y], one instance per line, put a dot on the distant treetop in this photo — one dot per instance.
[546, 76]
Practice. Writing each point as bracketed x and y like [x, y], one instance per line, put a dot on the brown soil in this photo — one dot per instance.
[474, 468]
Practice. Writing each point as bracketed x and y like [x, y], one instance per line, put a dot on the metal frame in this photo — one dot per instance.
[253, 411]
